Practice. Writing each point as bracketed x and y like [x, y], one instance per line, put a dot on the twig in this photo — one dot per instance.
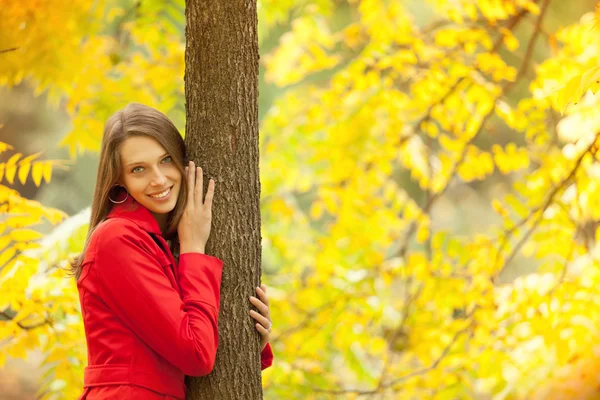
[20, 325]
[592, 149]
[531, 44]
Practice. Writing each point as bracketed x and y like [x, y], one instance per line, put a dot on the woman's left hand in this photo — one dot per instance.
[264, 324]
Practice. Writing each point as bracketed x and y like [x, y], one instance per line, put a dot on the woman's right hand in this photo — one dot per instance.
[194, 227]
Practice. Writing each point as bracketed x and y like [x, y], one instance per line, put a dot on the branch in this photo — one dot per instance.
[592, 149]
[512, 22]
[438, 360]
[531, 44]
[131, 10]
[563, 273]
[25, 327]
[9, 50]
[422, 371]
[310, 315]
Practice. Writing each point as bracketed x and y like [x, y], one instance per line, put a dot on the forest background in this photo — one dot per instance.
[430, 194]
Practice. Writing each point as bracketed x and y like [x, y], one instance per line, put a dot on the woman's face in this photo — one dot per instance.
[148, 173]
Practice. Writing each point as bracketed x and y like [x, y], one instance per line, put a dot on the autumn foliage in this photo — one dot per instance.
[430, 189]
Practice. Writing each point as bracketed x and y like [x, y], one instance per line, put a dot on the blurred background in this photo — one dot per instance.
[428, 203]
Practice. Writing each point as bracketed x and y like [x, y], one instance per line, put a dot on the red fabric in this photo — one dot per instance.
[148, 321]
[266, 357]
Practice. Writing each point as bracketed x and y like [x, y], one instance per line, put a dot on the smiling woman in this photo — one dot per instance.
[153, 179]
[149, 318]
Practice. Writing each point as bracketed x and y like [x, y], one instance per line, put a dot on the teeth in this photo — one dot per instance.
[163, 194]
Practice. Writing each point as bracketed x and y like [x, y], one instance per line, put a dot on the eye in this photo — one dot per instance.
[167, 157]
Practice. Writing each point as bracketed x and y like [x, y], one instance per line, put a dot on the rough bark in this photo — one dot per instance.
[221, 86]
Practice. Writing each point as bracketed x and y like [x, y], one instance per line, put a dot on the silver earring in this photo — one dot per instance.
[118, 202]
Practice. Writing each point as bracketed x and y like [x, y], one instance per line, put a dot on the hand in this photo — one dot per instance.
[264, 324]
[194, 226]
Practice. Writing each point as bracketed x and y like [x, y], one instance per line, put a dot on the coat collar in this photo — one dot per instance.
[134, 211]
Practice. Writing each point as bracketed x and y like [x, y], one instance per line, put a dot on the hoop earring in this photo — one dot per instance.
[118, 202]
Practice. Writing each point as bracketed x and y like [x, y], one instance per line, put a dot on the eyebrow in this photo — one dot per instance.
[141, 162]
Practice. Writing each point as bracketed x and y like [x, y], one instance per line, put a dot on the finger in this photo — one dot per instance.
[264, 321]
[264, 310]
[190, 182]
[199, 188]
[210, 193]
[263, 287]
[263, 331]
[263, 296]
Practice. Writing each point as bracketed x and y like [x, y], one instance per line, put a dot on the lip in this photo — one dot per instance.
[170, 188]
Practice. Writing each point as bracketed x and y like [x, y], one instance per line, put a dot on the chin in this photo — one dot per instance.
[160, 210]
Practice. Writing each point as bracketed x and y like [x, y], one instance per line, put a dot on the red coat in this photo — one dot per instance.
[148, 321]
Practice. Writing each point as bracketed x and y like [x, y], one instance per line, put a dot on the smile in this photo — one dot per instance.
[161, 195]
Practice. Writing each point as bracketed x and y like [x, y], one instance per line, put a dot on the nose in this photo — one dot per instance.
[159, 179]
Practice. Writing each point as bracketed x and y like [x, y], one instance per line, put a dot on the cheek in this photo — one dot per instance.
[177, 175]
[135, 185]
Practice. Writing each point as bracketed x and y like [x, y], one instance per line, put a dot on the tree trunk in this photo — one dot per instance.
[221, 86]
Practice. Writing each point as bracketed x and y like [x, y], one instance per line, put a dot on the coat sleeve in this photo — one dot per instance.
[266, 357]
[183, 330]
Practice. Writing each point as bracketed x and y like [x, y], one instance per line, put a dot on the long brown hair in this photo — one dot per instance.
[133, 120]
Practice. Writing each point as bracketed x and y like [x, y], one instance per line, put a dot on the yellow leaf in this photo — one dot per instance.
[4, 241]
[10, 173]
[23, 172]
[6, 255]
[25, 235]
[36, 173]
[438, 240]
[5, 146]
[316, 210]
[13, 159]
[423, 231]
[114, 13]
[352, 35]
[47, 171]
[11, 167]
[17, 351]
[21, 221]
[30, 158]
[32, 341]
[570, 93]
[511, 42]
[591, 80]
[280, 207]
[572, 90]
[532, 7]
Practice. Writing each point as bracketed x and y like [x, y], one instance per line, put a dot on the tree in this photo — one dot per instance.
[221, 82]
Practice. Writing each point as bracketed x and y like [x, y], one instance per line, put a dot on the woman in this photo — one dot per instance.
[150, 319]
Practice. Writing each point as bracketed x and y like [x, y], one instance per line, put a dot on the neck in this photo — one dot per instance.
[162, 220]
